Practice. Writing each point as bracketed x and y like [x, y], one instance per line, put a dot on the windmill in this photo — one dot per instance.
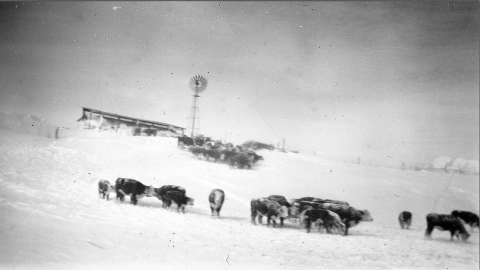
[198, 84]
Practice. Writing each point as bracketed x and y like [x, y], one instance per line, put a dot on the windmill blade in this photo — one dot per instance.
[198, 84]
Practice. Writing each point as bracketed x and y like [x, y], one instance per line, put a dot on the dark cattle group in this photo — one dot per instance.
[168, 194]
[203, 147]
[328, 214]
[347, 216]
[264, 207]
[161, 194]
[446, 223]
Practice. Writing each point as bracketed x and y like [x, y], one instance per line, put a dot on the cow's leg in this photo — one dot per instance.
[120, 196]
[133, 199]
[253, 218]
[308, 225]
[347, 225]
[164, 203]
[281, 221]
[260, 219]
[211, 208]
[428, 231]
[327, 227]
[108, 197]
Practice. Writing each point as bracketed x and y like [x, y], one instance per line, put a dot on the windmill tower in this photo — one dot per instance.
[198, 84]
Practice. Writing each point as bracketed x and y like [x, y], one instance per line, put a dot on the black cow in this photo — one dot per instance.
[468, 217]
[265, 207]
[197, 150]
[225, 154]
[132, 188]
[212, 153]
[446, 223]
[283, 202]
[329, 220]
[161, 192]
[185, 140]
[405, 219]
[179, 198]
[105, 188]
[241, 160]
[216, 199]
[201, 141]
[350, 216]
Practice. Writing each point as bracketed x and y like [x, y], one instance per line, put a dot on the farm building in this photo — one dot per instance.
[257, 145]
[96, 119]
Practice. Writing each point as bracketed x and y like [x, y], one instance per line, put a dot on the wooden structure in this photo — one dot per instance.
[114, 121]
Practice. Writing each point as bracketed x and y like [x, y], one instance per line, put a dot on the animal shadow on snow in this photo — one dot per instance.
[450, 242]
[141, 203]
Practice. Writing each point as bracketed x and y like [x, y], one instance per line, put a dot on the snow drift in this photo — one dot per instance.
[52, 216]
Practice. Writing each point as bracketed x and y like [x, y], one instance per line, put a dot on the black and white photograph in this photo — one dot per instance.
[239, 134]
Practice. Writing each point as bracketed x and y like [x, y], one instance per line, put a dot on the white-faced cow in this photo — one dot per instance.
[467, 217]
[446, 223]
[405, 219]
[132, 188]
[265, 207]
[324, 218]
[179, 198]
[283, 202]
[105, 188]
[216, 199]
[350, 216]
[161, 193]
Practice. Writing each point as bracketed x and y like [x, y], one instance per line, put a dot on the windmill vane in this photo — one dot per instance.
[198, 83]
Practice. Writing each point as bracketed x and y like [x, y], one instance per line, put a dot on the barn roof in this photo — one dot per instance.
[137, 121]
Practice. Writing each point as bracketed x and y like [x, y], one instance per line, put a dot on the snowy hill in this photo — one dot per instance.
[52, 217]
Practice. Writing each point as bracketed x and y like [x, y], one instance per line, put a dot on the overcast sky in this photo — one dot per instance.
[392, 81]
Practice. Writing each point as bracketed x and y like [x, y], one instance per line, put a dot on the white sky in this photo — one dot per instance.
[379, 80]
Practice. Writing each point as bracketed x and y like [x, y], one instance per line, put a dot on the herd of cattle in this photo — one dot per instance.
[234, 156]
[331, 215]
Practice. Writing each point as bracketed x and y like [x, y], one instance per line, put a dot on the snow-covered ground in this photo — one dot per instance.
[52, 217]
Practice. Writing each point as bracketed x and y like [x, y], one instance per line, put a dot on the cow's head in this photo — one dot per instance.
[365, 214]
[464, 236]
[293, 211]
[150, 191]
[283, 212]
[190, 201]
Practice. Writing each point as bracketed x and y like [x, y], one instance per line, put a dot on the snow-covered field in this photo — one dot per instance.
[52, 217]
